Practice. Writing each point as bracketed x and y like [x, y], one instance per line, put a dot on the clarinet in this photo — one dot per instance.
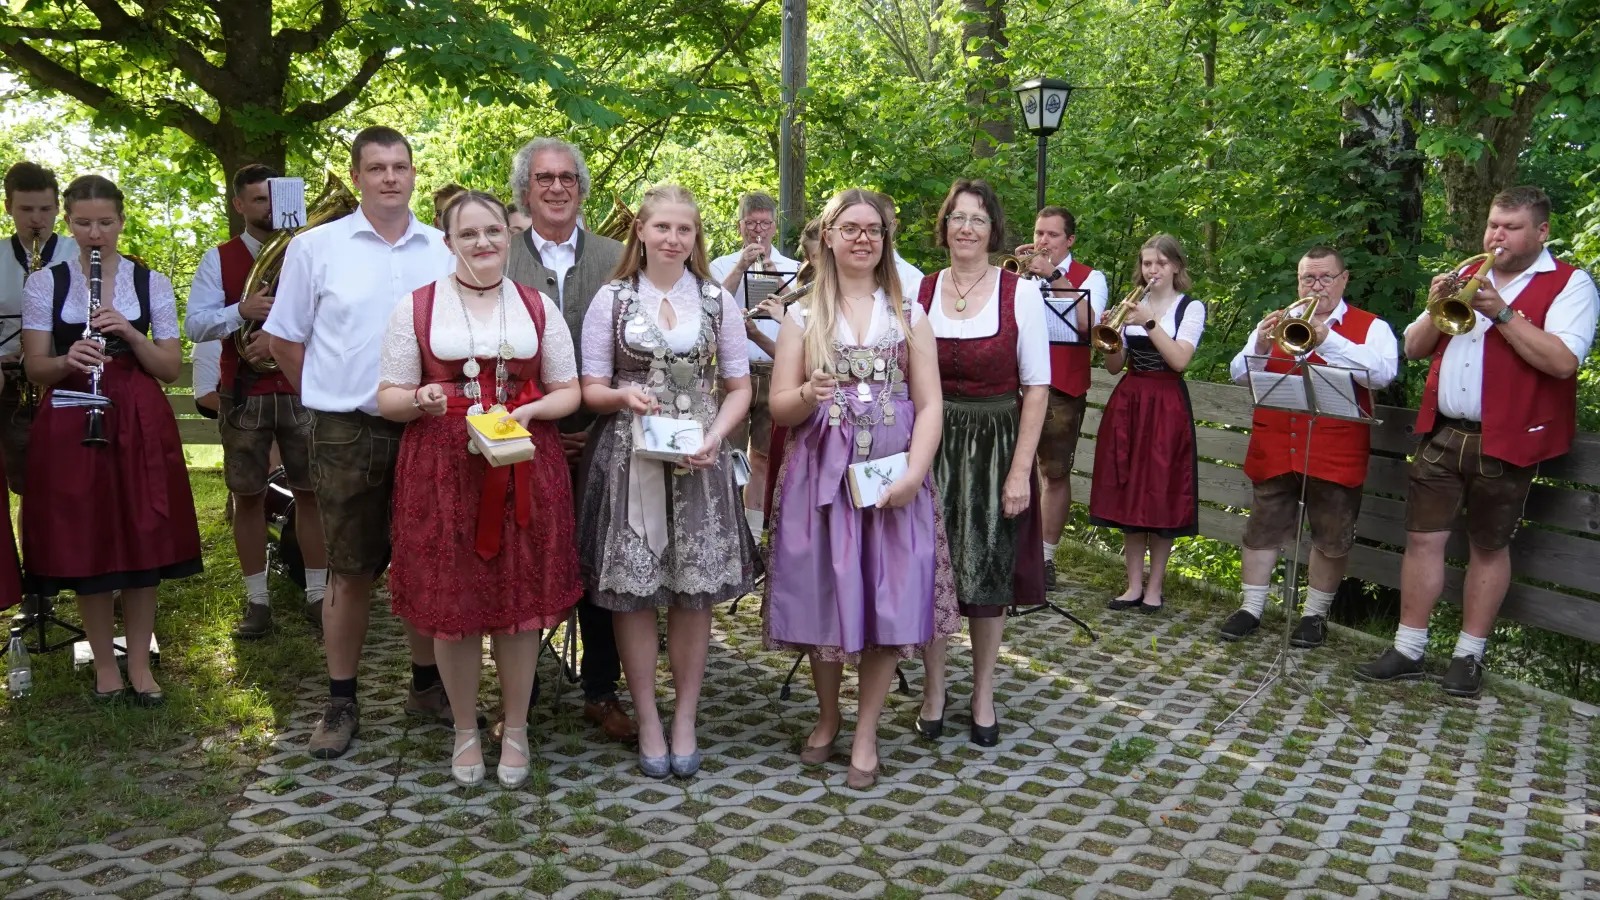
[95, 417]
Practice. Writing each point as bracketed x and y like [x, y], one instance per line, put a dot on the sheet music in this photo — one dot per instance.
[63, 399]
[758, 286]
[1280, 390]
[1062, 303]
[288, 197]
[1334, 390]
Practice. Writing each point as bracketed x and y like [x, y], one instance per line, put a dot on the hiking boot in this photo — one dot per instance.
[257, 622]
[1391, 666]
[1464, 678]
[430, 703]
[313, 611]
[1309, 633]
[1049, 574]
[1239, 626]
[335, 730]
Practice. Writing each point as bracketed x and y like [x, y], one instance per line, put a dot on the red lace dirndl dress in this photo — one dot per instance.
[479, 549]
[10, 566]
[115, 517]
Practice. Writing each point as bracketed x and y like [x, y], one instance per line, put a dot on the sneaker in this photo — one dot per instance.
[1391, 666]
[1464, 678]
[431, 703]
[257, 622]
[1309, 633]
[313, 611]
[1239, 626]
[335, 730]
[1049, 574]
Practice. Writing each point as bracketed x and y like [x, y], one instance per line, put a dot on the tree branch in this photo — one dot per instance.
[303, 40]
[59, 78]
[310, 113]
[207, 77]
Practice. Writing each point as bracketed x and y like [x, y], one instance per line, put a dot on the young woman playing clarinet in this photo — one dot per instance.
[994, 366]
[1144, 463]
[656, 340]
[110, 511]
[856, 379]
[480, 549]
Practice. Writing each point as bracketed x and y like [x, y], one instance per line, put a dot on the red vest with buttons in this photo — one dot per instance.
[1070, 363]
[1278, 438]
[236, 262]
[979, 367]
[1528, 416]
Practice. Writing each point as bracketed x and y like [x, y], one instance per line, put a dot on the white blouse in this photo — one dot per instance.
[401, 362]
[883, 318]
[1033, 331]
[599, 349]
[38, 300]
[1190, 329]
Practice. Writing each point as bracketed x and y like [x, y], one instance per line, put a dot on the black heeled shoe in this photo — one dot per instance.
[986, 735]
[932, 729]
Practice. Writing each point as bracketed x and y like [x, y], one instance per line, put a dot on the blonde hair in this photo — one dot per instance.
[633, 252]
[1167, 246]
[822, 306]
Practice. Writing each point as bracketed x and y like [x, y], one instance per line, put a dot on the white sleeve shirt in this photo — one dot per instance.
[1377, 355]
[13, 273]
[339, 284]
[206, 358]
[1571, 317]
[209, 316]
[1033, 338]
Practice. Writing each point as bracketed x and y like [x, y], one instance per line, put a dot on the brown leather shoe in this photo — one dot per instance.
[431, 703]
[611, 718]
[256, 623]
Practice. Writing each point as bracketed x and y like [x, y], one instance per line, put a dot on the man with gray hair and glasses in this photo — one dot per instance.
[568, 264]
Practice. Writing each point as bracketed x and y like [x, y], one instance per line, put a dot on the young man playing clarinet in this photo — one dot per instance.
[1499, 400]
[257, 407]
[1276, 460]
[1055, 230]
[340, 283]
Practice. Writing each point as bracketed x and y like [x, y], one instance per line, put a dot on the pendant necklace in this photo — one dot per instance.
[471, 367]
[961, 295]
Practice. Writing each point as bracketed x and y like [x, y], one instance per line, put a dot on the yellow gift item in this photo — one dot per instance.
[498, 438]
[497, 426]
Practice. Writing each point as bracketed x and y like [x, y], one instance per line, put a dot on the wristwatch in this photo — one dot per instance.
[1505, 315]
[1150, 325]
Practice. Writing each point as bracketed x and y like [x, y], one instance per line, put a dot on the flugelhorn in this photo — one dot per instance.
[1107, 336]
[1450, 307]
[1297, 335]
[1018, 265]
[94, 423]
[335, 202]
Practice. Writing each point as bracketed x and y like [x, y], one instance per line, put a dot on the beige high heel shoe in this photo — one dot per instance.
[466, 776]
[513, 776]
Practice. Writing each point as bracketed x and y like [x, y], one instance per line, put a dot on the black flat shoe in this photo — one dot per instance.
[148, 699]
[1126, 604]
[933, 729]
[110, 697]
[1151, 609]
[986, 735]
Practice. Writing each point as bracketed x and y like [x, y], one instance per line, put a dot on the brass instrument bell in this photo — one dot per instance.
[1450, 308]
[1107, 336]
[1297, 335]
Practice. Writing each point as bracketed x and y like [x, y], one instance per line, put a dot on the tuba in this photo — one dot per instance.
[1296, 335]
[1450, 307]
[335, 202]
[1107, 336]
[618, 222]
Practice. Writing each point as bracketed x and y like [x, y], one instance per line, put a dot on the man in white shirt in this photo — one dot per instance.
[758, 222]
[339, 284]
[32, 200]
[1277, 463]
[257, 408]
[1498, 401]
[910, 276]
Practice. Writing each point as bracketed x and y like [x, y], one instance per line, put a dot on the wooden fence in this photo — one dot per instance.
[1555, 556]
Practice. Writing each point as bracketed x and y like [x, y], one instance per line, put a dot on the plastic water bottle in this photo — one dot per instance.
[19, 679]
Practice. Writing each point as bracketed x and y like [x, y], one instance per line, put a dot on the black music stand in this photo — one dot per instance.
[40, 621]
[1318, 392]
[758, 286]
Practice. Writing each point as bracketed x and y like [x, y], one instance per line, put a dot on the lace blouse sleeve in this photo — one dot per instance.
[733, 354]
[37, 295]
[401, 362]
[598, 349]
[559, 362]
[163, 309]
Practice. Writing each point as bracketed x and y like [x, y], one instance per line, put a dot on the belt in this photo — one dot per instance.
[1464, 426]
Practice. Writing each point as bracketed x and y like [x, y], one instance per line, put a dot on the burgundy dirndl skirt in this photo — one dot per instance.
[444, 581]
[116, 517]
[1145, 468]
[10, 566]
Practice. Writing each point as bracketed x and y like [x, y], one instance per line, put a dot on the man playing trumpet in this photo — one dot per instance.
[1278, 463]
[1499, 399]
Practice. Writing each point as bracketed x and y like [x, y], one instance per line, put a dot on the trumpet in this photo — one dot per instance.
[1296, 335]
[1018, 265]
[1450, 307]
[1107, 336]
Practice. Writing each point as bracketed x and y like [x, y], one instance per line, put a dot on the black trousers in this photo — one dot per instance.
[601, 667]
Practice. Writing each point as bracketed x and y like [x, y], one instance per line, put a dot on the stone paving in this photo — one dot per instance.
[1109, 782]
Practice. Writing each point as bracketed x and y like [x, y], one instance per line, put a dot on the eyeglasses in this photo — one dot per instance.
[545, 179]
[851, 232]
[1314, 280]
[759, 224]
[960, 220]
[470, 235]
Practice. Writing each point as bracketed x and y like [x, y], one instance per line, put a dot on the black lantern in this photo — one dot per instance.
[1043, 102]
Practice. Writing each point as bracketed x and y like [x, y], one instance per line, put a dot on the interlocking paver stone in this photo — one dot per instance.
[1109, 782]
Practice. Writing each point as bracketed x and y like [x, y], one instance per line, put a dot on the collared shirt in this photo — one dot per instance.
[723, 266]
[340, 283]
[1095, 284]
[910, 276]
[13, 273]
[558, 258]
[1377, 357]
[210, 317]
[1571, 317]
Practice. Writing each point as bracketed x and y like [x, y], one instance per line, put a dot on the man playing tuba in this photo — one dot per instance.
[258, 407]
[1338, 334]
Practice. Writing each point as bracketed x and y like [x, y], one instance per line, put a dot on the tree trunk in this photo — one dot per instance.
[1208, 228]
[1470, 184]
[988, 92]
[235, 150]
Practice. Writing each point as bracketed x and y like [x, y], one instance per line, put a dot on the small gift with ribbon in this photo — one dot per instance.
[666, 439]
[499, 438]
[870, 480]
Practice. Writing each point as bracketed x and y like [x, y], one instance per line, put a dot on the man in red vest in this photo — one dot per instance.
[258, 408]
[1330, 470]
[1055, 230]
[1499, 400]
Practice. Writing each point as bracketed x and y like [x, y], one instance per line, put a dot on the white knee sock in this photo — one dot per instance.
[1467, 645]
[1255, 599]
[1413, 642]
[1317, 602]
[757, 520]
[255, 588]
[316, 584]
[1050, 552]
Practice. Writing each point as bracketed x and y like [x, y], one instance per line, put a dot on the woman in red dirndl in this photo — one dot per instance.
[1145, 479]
[481, 549]
[117, 516]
